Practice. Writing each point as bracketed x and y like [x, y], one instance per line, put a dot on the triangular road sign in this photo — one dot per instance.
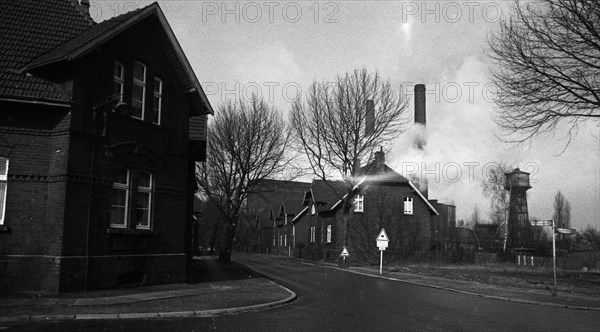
[382, 236]
[345, 253]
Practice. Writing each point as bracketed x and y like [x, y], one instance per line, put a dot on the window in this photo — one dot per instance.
[144, 201]
[131, 191]
[274, 240]
[359, 203]
[313, 210]
[408, 205]
[119, 80]
[139, 90]
[312, 234]
[157, 101]
[328, 233]
[120, 198]
[3, 187]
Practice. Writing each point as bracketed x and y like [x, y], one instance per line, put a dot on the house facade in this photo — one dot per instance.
[381, 199]
[100, 126]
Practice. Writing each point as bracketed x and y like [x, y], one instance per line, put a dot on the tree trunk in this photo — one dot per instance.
[213, 238]
[225, 253]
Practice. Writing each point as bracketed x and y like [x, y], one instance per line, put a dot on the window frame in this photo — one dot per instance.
[125, 187]
[157, 94]
[313, 234]
[359, 203]
[408, 205]
[313, 210]
[145, 190]
[329, 233]
[142, 84]
[4, 180]
[119, 80]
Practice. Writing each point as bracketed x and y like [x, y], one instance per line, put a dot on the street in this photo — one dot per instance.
[334, 300]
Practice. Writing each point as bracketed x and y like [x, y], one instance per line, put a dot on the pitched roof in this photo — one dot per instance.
[71, 34]
[28, 29]
[327, 194]
[292, 206]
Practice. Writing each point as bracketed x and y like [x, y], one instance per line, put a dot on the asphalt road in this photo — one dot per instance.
[332, 300]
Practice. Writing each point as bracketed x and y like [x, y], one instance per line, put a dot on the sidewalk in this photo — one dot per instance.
[231, 288]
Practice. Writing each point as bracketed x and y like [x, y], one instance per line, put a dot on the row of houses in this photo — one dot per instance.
[100, 126]
[306, 220]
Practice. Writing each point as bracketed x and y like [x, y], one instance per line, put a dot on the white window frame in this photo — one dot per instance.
[157, 94]
[124, 187]
[146, 190]
[408, 205]
[313, 234]
[313, 210]
[4, 181]
[142, 84]
[119, 80]
[329, 231]
[359, 203]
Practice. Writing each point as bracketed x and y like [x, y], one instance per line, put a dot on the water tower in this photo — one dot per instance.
[517, 182]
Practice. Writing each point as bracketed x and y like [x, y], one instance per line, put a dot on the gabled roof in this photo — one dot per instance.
[292, 206]
[327, 194]
[76, 37]
[28, 29]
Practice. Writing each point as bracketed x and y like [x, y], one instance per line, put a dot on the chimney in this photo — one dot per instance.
[420, 115]
[370, 118]
[380, 160]
[85, 4]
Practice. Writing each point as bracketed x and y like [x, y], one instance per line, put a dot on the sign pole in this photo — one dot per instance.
[381, 262]
[554, 255]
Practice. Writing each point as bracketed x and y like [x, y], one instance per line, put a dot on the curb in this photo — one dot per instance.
[175, 314]
[516, 300]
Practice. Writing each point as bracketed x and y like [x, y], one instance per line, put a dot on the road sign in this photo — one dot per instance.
[345, 253]
[541, 223]
[382, 236]
[382, 240]
[566, 230]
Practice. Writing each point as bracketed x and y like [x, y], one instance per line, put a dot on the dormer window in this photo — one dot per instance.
[313, 210]
[408, 205]
[359, 203]
[118, 80]
[138, 95]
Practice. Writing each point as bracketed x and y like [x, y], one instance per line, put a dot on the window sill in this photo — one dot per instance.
[126, 231]
[4, 229]
[361, 212]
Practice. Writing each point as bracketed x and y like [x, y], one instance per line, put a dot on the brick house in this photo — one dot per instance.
[381, 199]
[263, 207]
[100, 124]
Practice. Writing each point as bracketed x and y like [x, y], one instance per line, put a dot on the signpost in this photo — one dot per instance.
[554, 231]
[345, 254]
[382, 244]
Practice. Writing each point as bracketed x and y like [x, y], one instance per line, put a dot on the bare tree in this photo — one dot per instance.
[247, 142]
[493, 188]
[331, 129]
[548, 67]
[562, 218]
[562, 211]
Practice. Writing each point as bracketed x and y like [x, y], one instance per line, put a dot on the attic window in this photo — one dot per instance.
[313, 210]
[139, 90]
[359, 203]
[408, 205]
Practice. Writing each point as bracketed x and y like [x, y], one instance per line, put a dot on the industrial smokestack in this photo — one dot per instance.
[420, 115]
[370, 118]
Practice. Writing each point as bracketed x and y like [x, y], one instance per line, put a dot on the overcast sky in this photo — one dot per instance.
[276, 48]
